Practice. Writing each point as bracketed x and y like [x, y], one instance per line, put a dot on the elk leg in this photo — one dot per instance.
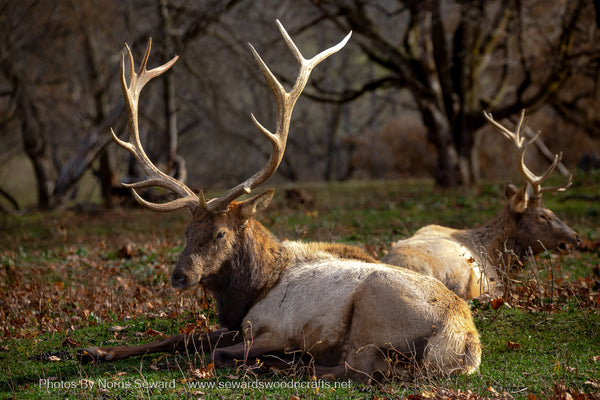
[177, 343]
[273, 357]
[331, 372]
[272, 354]
[248, 350]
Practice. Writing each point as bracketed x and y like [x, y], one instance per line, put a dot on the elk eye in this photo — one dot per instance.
[220, 235]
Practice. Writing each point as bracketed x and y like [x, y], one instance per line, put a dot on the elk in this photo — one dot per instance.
[470, 261]
[330, 304]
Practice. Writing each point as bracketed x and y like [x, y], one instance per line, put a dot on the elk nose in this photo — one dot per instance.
[578, 239]
[178, 281]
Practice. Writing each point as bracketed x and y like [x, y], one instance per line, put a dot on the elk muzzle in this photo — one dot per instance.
[574, 240]
[179, 280]
[183, 276]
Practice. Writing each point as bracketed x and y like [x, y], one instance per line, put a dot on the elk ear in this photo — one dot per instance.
[255, 205]
[517, 199]
[510, 190]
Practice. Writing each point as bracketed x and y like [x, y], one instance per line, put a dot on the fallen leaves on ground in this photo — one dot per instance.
[534, 295]
[117, 328]
[513, 346]
[561, 392]
[70, 342]
[203, 372]
[95, 286]
[457, 394]
[154, 332]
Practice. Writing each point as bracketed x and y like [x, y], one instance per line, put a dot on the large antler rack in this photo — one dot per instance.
[519, 139]
[285, 104]
[156, 177]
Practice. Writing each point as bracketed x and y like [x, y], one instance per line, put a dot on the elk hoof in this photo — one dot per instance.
[92, 355]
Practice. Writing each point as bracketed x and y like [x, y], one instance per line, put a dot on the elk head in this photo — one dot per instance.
[216, 224]
[532, 225]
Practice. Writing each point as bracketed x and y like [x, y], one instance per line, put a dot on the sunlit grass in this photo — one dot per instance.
[75, 275]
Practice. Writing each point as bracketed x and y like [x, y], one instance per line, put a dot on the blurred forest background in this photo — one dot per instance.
[404, 98]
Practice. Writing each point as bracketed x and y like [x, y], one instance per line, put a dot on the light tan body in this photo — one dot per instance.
[438, 252]
[351, 315]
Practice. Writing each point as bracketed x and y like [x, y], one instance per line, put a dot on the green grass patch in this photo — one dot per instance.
[67, 279]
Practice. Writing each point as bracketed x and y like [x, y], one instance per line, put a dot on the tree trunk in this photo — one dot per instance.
[35, 141]
[438, 133]
[13, 202]
[37, 150]
[463, 135]
[175, 163]
[330, 146]
[445, 169]
[35, 144]
[107, 178]
[106, 174]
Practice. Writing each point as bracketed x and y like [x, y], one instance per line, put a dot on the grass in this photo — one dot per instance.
[67, 280]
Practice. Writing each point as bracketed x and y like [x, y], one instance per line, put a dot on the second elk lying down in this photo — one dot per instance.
[473, 261]
[327, 306]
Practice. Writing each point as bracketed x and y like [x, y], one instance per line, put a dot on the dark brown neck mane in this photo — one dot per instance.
[254, 267]
[493, 238]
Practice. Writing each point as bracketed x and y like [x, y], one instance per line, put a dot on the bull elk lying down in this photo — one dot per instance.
[330, 306]
[473, 261]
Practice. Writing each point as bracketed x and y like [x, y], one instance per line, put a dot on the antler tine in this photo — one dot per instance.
[551, 168]
[559, 188]
[519, 140]
[285, 104]
[156, 177]
[517, 137]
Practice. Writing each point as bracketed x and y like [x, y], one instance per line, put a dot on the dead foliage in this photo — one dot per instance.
[70, 287]
[561, 392]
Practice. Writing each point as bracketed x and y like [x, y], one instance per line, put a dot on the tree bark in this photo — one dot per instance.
[330, 146]
[35, 141]
[175, 163]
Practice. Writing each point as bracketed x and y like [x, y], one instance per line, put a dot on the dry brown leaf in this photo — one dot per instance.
[593, 383]
[513, 345]
[154, 332]
[118, 328]
[203, 373]
[497, 303]
[125, 251]
[70, 342]
[53, 358]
